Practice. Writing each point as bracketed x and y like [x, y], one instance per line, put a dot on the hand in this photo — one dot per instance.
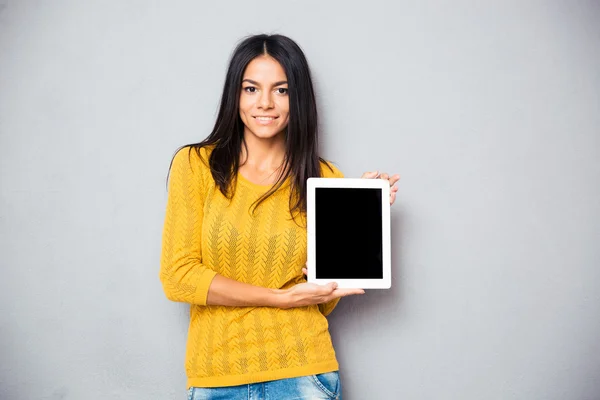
[307, 294]
[392, 180]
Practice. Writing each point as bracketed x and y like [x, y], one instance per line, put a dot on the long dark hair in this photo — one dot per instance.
[301, 137]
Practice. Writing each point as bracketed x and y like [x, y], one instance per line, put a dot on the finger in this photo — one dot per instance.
[392, 198]
[394, 179]
[347, 292]
[384, 176]
[304, 271]
[370, 175]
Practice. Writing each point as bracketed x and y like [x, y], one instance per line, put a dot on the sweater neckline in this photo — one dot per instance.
[259, 187]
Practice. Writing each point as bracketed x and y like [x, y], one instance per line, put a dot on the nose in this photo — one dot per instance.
[265, 100]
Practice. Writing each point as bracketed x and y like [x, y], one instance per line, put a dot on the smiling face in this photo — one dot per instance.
[264, 101]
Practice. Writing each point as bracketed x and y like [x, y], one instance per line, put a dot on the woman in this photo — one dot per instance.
[234, 240]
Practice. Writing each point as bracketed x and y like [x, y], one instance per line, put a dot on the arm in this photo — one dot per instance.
[228, 292]
[183, 276]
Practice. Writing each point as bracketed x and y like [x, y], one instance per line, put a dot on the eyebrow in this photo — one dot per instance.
[279, 83]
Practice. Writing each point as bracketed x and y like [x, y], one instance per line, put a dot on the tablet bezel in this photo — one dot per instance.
[314, 183]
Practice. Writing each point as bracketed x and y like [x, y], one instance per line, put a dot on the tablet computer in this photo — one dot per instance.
[348, 232]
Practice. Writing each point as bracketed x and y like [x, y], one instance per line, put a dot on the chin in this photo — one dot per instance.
[267, 134]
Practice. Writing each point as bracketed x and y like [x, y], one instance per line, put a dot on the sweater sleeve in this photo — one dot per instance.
[329, 171]
[183, 275]
[327, 308]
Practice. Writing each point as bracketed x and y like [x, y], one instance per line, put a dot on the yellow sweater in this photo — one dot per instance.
[205, 234]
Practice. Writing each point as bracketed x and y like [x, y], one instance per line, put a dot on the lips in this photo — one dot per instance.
[265, 120]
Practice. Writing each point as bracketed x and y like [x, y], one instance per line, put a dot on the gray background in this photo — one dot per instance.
[489, 110]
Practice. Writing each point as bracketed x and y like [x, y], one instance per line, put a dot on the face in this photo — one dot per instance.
[264, 101]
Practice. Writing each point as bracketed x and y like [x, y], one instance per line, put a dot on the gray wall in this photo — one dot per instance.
[489, 110]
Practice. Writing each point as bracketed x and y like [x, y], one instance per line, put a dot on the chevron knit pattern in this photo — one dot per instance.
[205, 234]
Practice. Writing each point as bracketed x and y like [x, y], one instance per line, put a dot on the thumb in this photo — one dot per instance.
[371, 175]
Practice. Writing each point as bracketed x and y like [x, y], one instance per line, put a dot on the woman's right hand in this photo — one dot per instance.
[308, 294]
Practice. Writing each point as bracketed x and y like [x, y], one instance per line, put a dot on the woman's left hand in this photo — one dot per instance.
[393, 179]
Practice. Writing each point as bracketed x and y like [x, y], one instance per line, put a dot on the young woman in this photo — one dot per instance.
[234, 240]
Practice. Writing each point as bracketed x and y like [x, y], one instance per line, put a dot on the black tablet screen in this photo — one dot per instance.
[348, 236]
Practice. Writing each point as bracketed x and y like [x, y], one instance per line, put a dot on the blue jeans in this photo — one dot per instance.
[325, 386]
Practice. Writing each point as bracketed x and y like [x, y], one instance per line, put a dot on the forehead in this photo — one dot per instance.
[264, 69]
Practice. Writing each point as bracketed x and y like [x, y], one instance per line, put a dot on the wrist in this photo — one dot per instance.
[280, 298]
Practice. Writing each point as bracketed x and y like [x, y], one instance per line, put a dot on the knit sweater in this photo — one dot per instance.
[204, 234]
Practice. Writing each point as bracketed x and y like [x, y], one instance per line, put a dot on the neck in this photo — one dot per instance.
[263, 154]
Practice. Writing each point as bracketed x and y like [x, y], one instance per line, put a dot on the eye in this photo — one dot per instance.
[282, 90]
[250, 89]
